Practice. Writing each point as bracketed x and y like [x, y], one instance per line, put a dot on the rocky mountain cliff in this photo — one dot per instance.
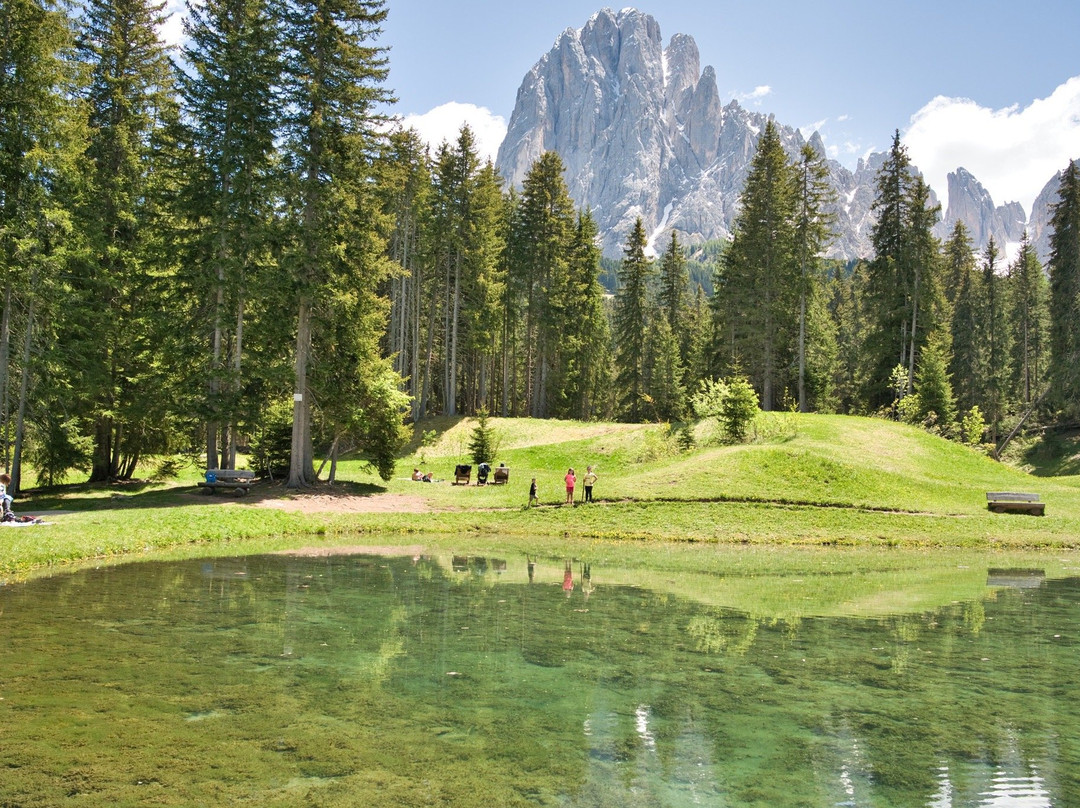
[643, 132]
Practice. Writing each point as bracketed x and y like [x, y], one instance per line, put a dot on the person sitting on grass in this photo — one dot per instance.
[5, 497]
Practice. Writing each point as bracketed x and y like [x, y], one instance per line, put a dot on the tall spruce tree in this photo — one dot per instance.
[844, 305]
[665, 392]
[761, 278]
[1027, 308]
[1065, 294]
[813, 232]
[901, 282]
[540, 239]
[405, 184]
[41, 136]
[131, 102]
[232, 110]
[996, 369]
[586, 354]
[335, 75]
[932, 385]
[968, 366]
[673, 284]
[631, 324]
[452, 228]
[484, 282]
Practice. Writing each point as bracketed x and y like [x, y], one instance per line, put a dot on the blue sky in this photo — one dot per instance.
[990, 86]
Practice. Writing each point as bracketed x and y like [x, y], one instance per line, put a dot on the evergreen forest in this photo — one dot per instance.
[232, 249]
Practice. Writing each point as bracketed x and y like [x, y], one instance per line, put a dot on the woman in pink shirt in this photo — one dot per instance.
[570, 480]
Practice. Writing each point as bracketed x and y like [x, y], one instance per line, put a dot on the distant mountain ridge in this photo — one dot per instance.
[643, 132]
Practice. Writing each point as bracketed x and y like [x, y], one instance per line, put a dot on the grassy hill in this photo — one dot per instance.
[796, 460]
[805, 480]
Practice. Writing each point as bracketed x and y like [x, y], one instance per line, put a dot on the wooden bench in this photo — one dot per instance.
[1012, 502]
[462, 474]
[502, 475]
[239, 481]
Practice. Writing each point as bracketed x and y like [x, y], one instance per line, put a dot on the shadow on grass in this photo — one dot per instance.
[143, 494]
[1055, 454]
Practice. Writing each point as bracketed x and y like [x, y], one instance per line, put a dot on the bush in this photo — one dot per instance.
[972, 427]
[708, 401]
[484, 442]
[738, 409]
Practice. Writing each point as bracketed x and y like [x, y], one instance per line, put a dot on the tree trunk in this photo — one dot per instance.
[433, 317]
[802, 346]
[24, 387]
[5, 359]
[914, 325]
[214, 388]
[301, 467]
[237, 384]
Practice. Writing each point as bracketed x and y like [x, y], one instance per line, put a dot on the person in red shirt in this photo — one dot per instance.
[570, 480]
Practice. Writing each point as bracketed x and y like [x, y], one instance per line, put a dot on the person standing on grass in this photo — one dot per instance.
[589, 479]
[533, 500]
[570, 480]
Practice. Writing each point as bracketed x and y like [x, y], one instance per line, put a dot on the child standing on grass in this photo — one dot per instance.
[570, 480]
[532, 493]
[589, 479]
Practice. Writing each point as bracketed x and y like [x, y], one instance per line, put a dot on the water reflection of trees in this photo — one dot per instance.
[517, 693]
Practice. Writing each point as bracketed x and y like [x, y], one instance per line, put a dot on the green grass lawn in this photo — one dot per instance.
[805, 480]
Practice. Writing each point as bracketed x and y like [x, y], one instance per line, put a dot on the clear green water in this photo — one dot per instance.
[373, 681]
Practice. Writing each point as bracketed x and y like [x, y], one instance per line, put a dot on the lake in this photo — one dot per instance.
[764, 679]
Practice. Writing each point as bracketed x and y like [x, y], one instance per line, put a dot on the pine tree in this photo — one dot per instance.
[902, 281]
[131, 103]
[997, 349]
[957, 260]
[1027, 307]
[968, 366]
[664, 373]
[813, 232]
[541, 234]
[483, 289]
[452, 230]
[631, 325]
[844, 305]
[232, 110]
[673, 284]
[405, 183]
[335, 76]
[1065, 294]
[761, 279]
[586, 354]
[933, 388]
[41, 135]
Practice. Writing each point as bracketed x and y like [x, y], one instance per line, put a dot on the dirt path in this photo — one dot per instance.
[347, 503]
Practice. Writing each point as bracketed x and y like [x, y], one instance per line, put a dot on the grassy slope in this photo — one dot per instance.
[814, 480]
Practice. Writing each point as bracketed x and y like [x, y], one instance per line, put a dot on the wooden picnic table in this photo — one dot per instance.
[238, 480]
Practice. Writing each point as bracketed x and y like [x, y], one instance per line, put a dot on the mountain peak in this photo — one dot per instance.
[642, 131]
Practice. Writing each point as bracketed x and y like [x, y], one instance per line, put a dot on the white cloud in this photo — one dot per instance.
[445, 122]
[1013, 152]
[755, 95]
[172, 30]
